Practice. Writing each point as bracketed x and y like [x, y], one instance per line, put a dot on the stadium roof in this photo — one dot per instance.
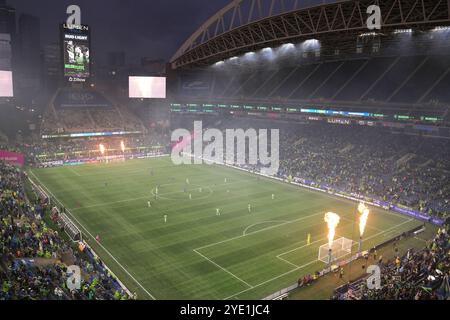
[246, 25]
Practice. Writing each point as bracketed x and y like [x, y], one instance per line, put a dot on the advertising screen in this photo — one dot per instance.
[6, 84]
[76, 53]
[147, 87]
[12, 157]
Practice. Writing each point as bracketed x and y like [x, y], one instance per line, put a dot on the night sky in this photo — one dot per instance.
[151, 28]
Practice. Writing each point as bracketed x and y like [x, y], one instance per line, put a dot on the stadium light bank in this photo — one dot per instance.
[189, 147]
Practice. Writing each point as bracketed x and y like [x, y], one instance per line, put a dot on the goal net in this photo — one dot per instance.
[340, 248]
[68, 226]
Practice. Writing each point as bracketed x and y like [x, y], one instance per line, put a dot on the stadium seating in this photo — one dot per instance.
[34, 258]
[387, 82]
[77, 111]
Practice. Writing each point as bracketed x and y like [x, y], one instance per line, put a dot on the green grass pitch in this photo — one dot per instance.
[198, 254]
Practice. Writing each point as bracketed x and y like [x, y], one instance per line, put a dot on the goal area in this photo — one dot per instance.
[339, 249]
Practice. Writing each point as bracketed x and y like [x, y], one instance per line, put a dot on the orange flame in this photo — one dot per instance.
[363, 218]
[361, 207]
[332, 219]
[102, 149]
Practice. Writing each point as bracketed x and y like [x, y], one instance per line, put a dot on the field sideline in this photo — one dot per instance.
[198, 254]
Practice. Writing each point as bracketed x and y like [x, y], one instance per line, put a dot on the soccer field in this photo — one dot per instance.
[196, 253]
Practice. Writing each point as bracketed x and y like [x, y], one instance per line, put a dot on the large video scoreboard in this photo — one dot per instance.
[76, 46]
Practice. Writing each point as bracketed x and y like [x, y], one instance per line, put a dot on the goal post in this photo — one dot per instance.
[339, 249]
[68, 226]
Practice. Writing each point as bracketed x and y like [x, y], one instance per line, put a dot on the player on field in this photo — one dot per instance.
[149, 203]
[165, 218]
[190, 196]
[273, 196]
[217, 212]
[249, 208]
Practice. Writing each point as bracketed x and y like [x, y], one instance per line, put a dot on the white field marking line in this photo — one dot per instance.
[109, 203]
[145, 197]
[74, 172]
[270, 280]
[288, 262]
[238, 237]
[223, 269]
[207, 187]
[153, 194]
[335, 197]
[258, 231]
[197, 186]
[304, 246]
[367, 225]
[354, 243]
[109, 253]
[262, 222]
[420, 239]
[309, 263]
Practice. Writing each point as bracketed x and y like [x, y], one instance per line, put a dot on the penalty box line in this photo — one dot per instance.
[87, 231]
[311, 262]
[255, 232]
[223, 269]
[242, 236]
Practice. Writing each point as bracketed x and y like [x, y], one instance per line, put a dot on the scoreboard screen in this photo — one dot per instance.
[76, 52]
[147, 87]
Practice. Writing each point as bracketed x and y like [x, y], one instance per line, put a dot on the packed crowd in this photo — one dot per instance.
[405, 170]
[418, 275]
[34, 258]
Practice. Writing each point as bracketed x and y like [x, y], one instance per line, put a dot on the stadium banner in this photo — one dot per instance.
[83, 161]
[417, 215]
[17, 159]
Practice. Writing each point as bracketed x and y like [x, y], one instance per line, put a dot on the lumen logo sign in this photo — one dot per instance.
[189, 147]
[374, 19]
